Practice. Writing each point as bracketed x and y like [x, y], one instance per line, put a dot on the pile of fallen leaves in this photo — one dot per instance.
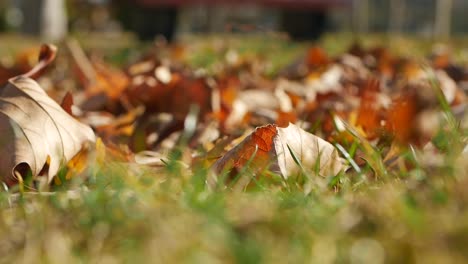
[354, 114]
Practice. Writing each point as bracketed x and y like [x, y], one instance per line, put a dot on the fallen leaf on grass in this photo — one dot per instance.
[37, 134]
[287, 151]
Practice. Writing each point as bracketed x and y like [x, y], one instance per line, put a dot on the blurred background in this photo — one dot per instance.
[300, 19]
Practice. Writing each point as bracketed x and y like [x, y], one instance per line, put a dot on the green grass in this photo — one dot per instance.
[128, 214]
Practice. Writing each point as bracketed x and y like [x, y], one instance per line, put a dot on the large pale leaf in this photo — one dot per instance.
[37, 134]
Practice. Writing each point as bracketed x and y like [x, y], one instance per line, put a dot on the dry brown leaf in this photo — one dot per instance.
[37, 134]
[270, 147]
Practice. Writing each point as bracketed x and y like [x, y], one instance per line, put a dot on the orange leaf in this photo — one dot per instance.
[108, 80]
[401, 117]
[369, 111]
[316, 57]
[284, 118]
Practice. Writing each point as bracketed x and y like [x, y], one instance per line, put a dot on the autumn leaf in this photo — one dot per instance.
[401, 116]
[286, 151]
[369, 113]
[38, 136]
[175, 95]
[316, 57]
[103, 84]
[67, 103]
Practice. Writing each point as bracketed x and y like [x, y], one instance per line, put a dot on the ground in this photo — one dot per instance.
[122, 213]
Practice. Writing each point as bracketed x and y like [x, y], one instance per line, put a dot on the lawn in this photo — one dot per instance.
[412, 208]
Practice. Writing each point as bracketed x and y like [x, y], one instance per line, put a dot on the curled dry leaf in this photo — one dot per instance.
[37, 134]
[36, 131]
[286, 151]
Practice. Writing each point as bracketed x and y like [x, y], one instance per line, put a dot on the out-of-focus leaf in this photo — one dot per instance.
[316, 58]
[401, 116]
[67, 103]
[101, 82]
[121, 126]
[370, 112]
[175, 96]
